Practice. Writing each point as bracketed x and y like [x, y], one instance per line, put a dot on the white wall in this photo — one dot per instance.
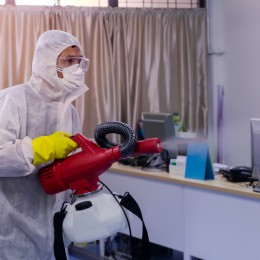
[238, 70]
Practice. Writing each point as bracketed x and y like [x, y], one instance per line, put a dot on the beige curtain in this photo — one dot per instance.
[141, 59]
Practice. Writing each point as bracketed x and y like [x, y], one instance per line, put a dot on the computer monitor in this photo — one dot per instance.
[255, 146]
[161, 125]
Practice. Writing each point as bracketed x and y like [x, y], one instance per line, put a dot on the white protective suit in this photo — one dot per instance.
[39, 107]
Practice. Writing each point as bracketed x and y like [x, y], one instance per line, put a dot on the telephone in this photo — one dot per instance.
[238, 174]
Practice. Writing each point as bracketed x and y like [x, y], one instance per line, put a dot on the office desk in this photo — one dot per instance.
[213, 220]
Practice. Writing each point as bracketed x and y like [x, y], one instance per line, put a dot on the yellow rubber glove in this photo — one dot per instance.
[55, 146]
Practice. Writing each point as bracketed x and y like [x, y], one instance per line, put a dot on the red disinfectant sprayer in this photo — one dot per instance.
[93, 214]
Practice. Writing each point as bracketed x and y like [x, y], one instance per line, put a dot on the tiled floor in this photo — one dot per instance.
[91, 252]
[73, 258]
[118, 247]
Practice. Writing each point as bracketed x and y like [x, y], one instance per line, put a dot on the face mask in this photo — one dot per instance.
[73, 77]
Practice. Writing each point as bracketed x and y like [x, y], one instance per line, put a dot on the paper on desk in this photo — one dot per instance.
[218, 166]
[177, 166]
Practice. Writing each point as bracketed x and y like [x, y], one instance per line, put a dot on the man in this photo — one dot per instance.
[36, 120]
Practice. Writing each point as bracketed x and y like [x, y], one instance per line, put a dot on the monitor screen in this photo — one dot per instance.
[255, 146]
[161, 125]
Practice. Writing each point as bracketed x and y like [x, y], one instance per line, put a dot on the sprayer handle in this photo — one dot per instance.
[81, 140]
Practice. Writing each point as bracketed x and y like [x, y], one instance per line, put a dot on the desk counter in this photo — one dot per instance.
[218, 184]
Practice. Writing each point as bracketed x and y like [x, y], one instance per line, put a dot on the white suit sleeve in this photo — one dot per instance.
[15, 152]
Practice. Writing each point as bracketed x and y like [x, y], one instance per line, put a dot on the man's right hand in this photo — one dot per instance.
[55, 146]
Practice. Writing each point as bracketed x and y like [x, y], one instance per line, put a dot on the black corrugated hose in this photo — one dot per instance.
[120, 128]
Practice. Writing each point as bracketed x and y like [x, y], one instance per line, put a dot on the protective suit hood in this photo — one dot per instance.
[44, 79]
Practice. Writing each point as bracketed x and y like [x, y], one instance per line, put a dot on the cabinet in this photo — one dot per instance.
[206, 219]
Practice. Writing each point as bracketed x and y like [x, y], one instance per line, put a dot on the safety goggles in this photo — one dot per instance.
[69, 61]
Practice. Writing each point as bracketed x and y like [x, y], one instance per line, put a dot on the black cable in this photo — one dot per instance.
[128, 222]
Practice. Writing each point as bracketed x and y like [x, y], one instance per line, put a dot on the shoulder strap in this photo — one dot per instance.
[59, 249]
[130, 204]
